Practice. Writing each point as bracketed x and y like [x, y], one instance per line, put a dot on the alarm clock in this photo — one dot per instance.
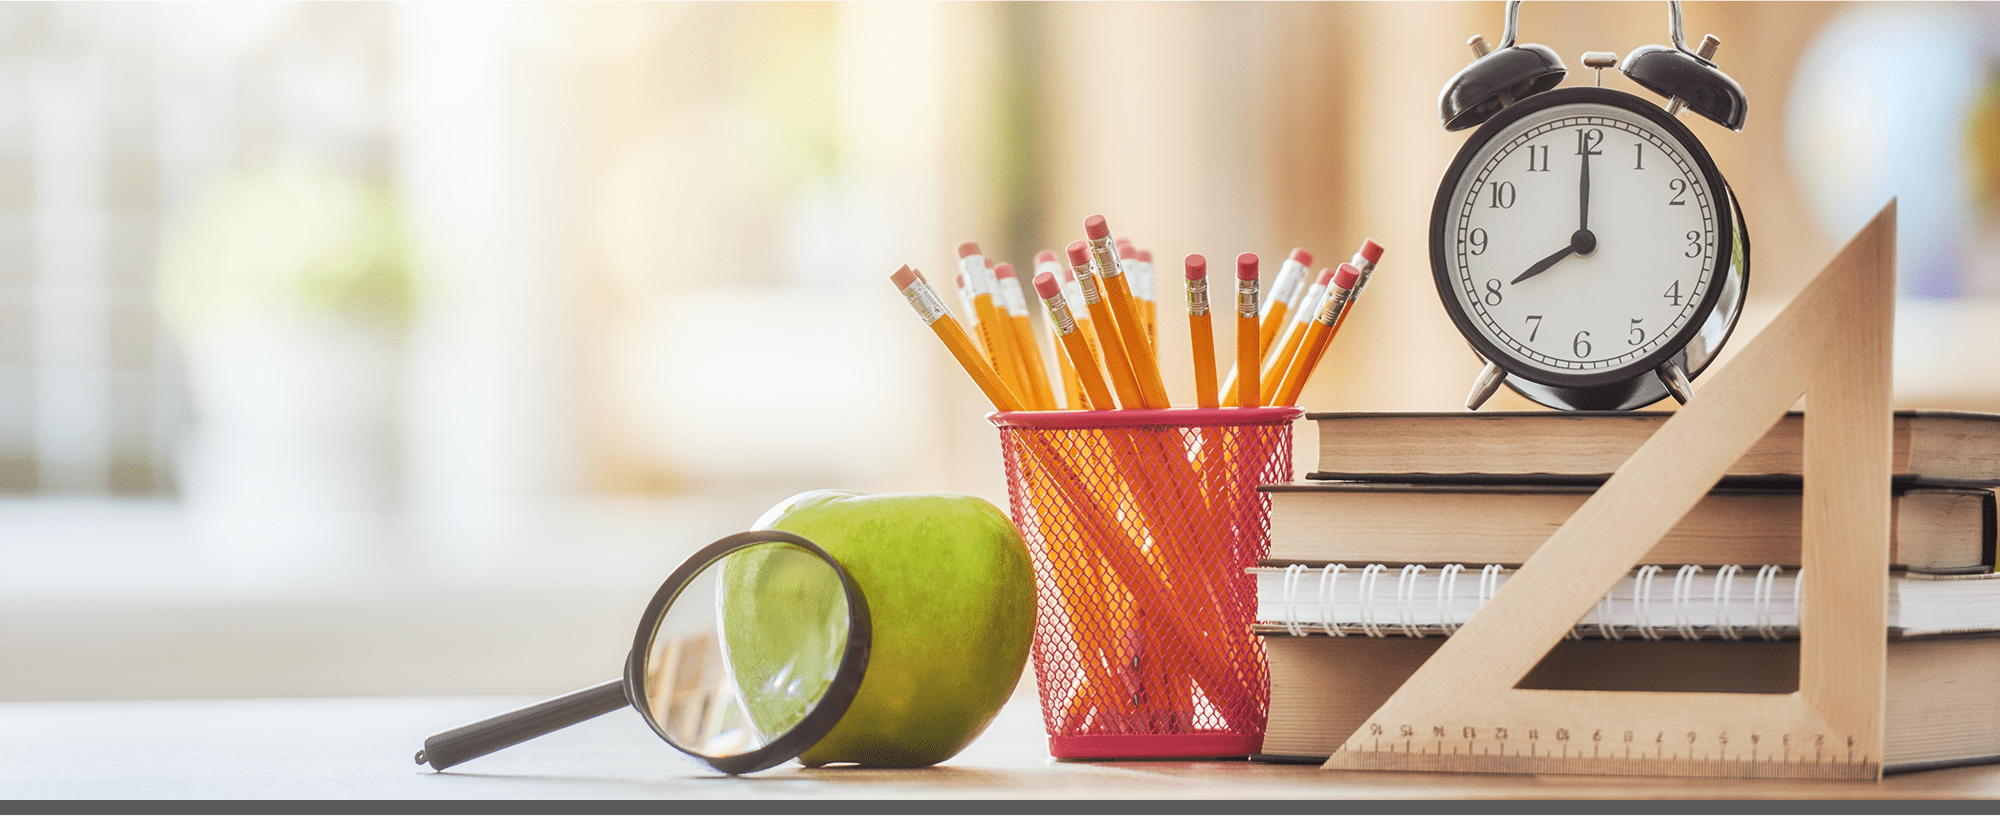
[1583, 240]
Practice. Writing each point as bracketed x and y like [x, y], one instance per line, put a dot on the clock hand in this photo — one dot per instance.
[1583, 193]
[1544, 264]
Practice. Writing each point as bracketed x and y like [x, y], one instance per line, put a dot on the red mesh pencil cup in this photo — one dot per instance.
[1141, 524]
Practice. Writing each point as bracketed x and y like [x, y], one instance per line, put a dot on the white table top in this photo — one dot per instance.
[362, 748]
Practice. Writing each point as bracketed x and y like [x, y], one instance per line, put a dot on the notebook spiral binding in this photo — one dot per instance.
[1343, 601]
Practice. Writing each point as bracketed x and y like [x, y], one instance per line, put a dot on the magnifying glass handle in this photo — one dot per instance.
[448, 748]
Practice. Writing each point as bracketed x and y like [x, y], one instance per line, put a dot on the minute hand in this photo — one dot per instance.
[1544, 264]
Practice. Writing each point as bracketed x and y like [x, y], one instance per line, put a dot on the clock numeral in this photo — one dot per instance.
[1492, 296]
[1639, 156]
[1503, 196]
[1580, 345]
[1680, 188]
[1694, 244]
[1543, 152]
[1638, 335]
[1478, 240]
[1536, 329]
[1587, 140]
[1673, 293]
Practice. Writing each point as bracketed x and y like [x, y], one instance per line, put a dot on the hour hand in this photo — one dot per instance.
[1544, 264]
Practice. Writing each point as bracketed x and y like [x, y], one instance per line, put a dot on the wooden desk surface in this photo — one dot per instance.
[361, 748]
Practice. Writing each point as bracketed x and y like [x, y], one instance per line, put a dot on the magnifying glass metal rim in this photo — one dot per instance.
[821, 719]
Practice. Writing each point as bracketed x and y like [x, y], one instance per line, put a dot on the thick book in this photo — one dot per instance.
[1938, 447]
[1689, 602]
[1932, 529]
[1940, 690]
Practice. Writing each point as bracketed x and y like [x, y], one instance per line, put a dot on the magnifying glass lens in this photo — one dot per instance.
[748, 648]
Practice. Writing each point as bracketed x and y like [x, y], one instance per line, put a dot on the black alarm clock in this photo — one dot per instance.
[1583, 240]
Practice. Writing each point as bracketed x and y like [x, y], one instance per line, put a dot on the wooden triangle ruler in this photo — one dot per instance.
[1461, 712]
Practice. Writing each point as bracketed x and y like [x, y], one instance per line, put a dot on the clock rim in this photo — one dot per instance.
[1443, 204]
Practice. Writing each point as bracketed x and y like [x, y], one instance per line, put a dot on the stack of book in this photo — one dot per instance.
[1411, 521]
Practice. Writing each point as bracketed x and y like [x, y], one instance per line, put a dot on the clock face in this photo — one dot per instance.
[1577, 239]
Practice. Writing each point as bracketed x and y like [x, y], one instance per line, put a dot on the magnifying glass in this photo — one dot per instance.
[747, 656]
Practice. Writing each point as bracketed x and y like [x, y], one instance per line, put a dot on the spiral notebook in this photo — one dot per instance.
[1653, 603]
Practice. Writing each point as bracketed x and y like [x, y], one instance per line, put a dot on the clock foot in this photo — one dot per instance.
[1484, 385]
[1676, 381]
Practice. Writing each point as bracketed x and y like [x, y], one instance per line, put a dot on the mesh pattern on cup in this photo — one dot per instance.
[1140, 537]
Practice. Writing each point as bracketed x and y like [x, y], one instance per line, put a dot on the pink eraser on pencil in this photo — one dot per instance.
[1302, 256]
[1069, 275]
[1127, 253]
[1346, 277]
[960, 280]
[968, 249]
[1079, 252]
[1046, 284]
[1122, 241]
[1197, 267]
[1371, 251]
[1095, 227]
[1246, 266]
[1325, 277]
[1005, 270]
[1145, 256]
[1045, 256]
[903, 277]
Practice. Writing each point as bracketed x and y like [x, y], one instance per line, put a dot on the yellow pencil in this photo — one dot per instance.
[995, 334]
[1130, 330]
[1027, 350]
[1201, 333]
[1318, 335]
[935, 315]
[1247, 352]
[1088, 378]
[1073, 396]
[1115, 362]
[1278, 303]
[1295, 333]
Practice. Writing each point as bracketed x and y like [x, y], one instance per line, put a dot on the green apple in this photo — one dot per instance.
[952, 596]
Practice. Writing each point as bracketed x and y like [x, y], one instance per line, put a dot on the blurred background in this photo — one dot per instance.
[351, 348]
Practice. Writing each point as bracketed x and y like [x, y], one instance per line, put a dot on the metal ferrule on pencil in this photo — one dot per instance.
[1059, 312]
[1105, 255]
[977, 276]
[1336, 301]
[1290, 277]
[1246, 298]
[926, 301]
[1087, 281]
[1197, 298]
[1011, 299]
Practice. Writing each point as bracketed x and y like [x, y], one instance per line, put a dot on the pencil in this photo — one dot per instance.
[1116, 364]
[1201, 333]
[995, 335]
[1029, 352]
[1365, 259]
[935, 315]
[1148, 295]
[1248, 355]
[1125, 317]
[1318, 335]
[1073, 396]
[1295, 333]
[1277, 304]
[1078, 351]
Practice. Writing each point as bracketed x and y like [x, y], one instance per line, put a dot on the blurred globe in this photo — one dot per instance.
[1879, 110]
